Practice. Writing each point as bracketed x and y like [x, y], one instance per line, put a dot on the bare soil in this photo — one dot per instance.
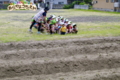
[71, 59]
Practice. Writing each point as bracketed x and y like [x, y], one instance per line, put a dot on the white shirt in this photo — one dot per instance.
[39, 16]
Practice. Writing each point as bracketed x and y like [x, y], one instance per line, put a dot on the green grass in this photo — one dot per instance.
[13, 28]
[13, 34]
[3, 9]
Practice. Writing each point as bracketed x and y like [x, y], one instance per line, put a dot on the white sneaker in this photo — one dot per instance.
[39, 32]
[30, 30]
[47, 33]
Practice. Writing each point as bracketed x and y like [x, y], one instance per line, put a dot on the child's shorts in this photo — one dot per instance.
[63, 33]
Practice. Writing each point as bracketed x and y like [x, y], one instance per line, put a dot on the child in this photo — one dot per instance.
[47, 26]
[69, 27]
[74, 29]
[51, 27]
[66, 22]
[50, 18]
[42, 29]
[63, 29]
[56, 27]
[36, 25]
[53, 21]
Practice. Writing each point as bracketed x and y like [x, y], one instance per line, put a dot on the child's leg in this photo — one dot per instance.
[45, 30]
[39, 26]
[51, 32]
[57, 31]
[62, 33]
[76, 31]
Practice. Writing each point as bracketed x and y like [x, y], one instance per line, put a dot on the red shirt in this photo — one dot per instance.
[70, 27]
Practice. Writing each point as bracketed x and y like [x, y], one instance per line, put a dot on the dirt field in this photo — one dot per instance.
[72, 59]
[82, 58]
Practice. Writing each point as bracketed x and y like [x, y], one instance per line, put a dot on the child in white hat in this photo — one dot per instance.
[74, 30]
[69, 27]
[63, 29]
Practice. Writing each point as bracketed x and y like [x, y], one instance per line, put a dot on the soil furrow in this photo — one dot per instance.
[49, 66]
[104, 74]
[59, 51]
[56, 43]
[72, 56]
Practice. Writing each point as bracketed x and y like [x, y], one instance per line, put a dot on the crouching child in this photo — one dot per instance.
[63, 29]
[51, 27]
[75, 30]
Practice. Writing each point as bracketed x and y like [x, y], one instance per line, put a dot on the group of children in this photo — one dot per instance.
[58, 25]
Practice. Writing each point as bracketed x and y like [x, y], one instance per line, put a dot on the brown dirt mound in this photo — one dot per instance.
[22, 60]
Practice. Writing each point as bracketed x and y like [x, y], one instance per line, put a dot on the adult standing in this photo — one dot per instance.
[39, 18]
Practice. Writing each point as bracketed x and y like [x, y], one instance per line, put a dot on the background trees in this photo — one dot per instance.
[81, 2]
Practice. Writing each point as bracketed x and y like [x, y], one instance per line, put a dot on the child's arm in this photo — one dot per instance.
[66, 30]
